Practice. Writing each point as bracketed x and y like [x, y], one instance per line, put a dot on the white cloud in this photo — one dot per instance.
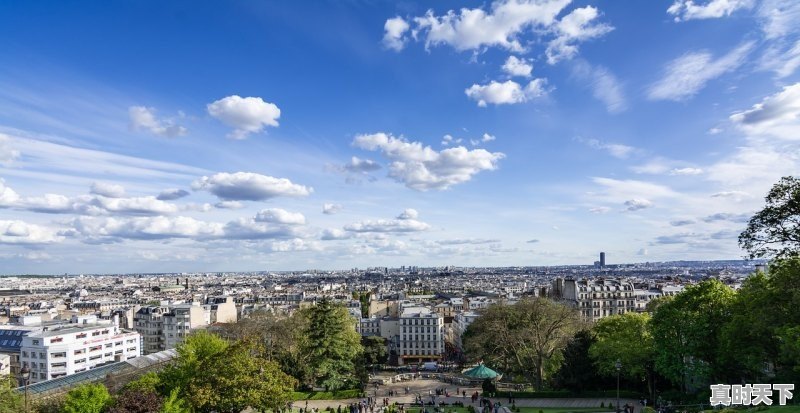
[487, 138]
[472, 29]
[7, 153]
[515, 66]
[145, 205]
[730, 194]
[334, 234]
[616, 150]
[690, 10]
[8, 197]
[599, 210]
[172, 194]
[448, 140]
[394, 37]
[506, 93]
[422, 168]
[23, 233]
[686, 171]
[637, 204]
[280, 216]
[391, 225]
[143, 228]
[358, 165]
[295, 244]
[577, 26]
[777, 115]
[330, 209]
[617, 190]
[782, 59]
[107, 190]
[409, 213]
[604, 85]
[249, 186]
[247, 115]
[714, 131]
[229, 205]
[144, 118]
[778, 18]
[688, 74]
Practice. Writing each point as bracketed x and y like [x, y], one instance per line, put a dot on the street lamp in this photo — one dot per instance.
[618, 366]
[25, 373]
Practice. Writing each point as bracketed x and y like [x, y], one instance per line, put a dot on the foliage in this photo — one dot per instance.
[174, 403]
[11, 401]
[627, 338]
[526, 338]
[147, 382]
[333, 345]
[686, 332]
[53, 404]
[137, 401]
[577, 373]
[327, 395]
[374, 350]
[87, 398]
[775, 230]
[488, 387]
[239, 379]
[196, 349]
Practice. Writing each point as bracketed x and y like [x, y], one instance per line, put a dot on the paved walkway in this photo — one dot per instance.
[426, 387]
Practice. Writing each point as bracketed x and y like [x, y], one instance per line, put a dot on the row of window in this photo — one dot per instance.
[417, 321]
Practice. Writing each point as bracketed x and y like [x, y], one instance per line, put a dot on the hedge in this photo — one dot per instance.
[326, 395]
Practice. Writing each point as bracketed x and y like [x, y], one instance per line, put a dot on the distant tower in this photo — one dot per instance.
[602, 259]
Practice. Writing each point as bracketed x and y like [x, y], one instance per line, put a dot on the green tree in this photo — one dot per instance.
[137, 401]
[238, 379]
[627, 338]
[374, 350]
[87, 398]
[775, 230]
[526, 338]
[686, 332]
[197, 348]
[174, 403]
[147, 382]
[11, 401]
[577, 372]
[333, 346]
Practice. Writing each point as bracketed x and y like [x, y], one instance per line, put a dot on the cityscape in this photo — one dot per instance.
[464, 206]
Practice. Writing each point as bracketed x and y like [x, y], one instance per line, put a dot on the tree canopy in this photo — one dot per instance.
[774, 232]
[333, 345]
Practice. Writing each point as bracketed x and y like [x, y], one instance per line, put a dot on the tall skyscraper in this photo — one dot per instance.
[602, 259]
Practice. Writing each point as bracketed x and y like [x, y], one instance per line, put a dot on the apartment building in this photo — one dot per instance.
[76, 347]
[596, 298]
[180, 320]
[460, 323]
[149, 323]
[421, 335]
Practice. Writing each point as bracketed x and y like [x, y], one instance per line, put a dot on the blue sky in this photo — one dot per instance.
[190, 136]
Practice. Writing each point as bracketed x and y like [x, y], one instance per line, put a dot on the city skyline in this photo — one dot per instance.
[177, 137]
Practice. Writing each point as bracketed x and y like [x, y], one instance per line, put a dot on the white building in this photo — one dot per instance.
[596, 298]
[76, 347]
[460, 323]
[421, 336]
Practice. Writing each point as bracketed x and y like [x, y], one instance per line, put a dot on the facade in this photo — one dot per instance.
[596, 298]
[460, 323]
[179, 321]
[149, 323]
[421, 336]
[75, 347]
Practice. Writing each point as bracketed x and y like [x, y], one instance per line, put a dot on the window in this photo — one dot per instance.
[56, 340]
[58, 365]
[109, 345]
[25, 354]
[95, 348]
[81, 351]
[95, 333]
[81, 335]
[35, 342]
[96, 357]
[58, 355]
[118, 343]
[80, 361]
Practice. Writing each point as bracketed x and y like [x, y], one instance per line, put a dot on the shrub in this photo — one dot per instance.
[602, 404]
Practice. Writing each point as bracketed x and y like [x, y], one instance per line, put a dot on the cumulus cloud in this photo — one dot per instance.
[777, 115]
[422, 168]
[334, 234]
[690, 10]
[394, 33]
[249, 186]
[22, 233]
[685, 76]
[506, 93]
[358, 165]
[107, 190]
[144, 228]
[448, 140]
[577, 26]
[172, 194]
[295, 244]
[472, 29]
[409, 213]
[144, 118]
[604, 85]
[246, 115]
[405, 222]
[280, 216]
[637, 204]
[514, 66]
[8, 197]
[330, 209]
